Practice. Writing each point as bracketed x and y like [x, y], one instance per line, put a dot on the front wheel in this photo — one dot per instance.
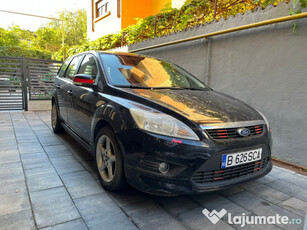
[109, 160]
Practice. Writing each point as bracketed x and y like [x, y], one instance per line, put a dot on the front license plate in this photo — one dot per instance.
[234, 159]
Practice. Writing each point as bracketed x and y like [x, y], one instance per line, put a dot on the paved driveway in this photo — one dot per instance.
[48, 182]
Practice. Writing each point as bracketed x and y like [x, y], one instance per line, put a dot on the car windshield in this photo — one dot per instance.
[134, 71]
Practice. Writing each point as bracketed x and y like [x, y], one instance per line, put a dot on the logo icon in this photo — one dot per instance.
[214, 216]
[244, 132]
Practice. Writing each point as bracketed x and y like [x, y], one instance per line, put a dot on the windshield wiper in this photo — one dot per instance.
[194, 88]
[179, 88]
[133, 86]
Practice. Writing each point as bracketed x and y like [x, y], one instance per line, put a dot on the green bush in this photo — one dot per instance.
[192, 13]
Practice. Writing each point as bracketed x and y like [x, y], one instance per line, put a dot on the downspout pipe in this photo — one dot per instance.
[208, 62]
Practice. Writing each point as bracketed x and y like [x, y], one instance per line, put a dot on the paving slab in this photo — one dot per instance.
[26, 138]
[71, 225]
[31, 146]
[11, 187]
[231, 191]
[47, 141]
[44, 132]
[296, 179]
[22, 220]
[218, 202]
[116, 222]
[8, 145]
[289, 188]
[7, 135]
[280, 173]
[101, 211]
[10, 173]
[128, 197]
[90, 167]
[150, 215]
[57, 150]
[261, 207]
[295, 205]
[13, 197]
[7, 142]
[266, 179]
[66, 164]
[42, 178]
[35, 160]
[9, 156]
[80, 184]
[176, 205]
[264, 191]
[194, 219]
[53, 206]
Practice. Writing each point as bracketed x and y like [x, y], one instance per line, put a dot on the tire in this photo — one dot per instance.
[55, 120]
[109, 160]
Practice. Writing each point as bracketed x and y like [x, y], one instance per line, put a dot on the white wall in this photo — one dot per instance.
[177, 3]
[108, 25]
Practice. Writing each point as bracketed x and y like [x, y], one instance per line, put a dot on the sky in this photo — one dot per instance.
[48, 8]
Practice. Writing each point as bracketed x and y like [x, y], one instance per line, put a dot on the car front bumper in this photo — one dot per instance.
[194, 166]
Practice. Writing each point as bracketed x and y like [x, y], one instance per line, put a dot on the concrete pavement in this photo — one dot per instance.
[47, 181]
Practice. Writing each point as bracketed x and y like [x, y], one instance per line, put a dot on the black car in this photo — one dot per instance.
[153, 125]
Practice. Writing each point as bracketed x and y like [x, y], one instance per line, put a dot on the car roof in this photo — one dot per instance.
[96, 53]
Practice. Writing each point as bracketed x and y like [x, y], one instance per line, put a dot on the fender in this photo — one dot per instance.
[108, 113]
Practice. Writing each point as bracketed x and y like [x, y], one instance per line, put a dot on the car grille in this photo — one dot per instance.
[201, 177]
[231, 133]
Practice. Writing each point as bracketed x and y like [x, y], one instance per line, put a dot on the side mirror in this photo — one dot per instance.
[83, 80]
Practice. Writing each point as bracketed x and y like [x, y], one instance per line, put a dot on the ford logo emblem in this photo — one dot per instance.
[244, 132]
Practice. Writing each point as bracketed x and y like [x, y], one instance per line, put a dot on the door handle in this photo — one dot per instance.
[57, 86]
[69, 92]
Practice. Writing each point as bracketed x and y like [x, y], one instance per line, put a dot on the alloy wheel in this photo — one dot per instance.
[105, 158]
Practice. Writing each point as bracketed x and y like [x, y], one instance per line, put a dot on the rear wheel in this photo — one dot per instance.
[109, 160]
[55, 121]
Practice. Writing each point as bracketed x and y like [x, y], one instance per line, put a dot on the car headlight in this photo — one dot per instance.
[265, 119]
[160, 123]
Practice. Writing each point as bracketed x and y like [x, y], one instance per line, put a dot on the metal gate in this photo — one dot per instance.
[41, 74]
[22, 78]
[11, 83]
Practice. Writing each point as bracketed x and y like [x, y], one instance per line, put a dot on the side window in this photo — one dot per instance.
[71, 71]
[89, 66]
[64, 67]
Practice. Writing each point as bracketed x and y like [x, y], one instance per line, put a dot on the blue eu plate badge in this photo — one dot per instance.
[224, 161]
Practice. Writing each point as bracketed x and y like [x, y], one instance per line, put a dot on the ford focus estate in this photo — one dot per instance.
[151, 124]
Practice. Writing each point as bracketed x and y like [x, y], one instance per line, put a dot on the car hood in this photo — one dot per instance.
[201, 107]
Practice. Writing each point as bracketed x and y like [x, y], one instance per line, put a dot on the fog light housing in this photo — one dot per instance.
[163, 167]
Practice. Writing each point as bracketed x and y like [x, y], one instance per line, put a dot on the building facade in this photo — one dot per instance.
[110, 16]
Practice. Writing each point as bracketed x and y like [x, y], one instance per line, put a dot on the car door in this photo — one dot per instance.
[84, 100]
[61, 89]
[65, 87]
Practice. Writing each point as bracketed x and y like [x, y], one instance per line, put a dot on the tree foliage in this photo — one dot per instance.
[50, 36]
[17, 42]
[47, 40]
